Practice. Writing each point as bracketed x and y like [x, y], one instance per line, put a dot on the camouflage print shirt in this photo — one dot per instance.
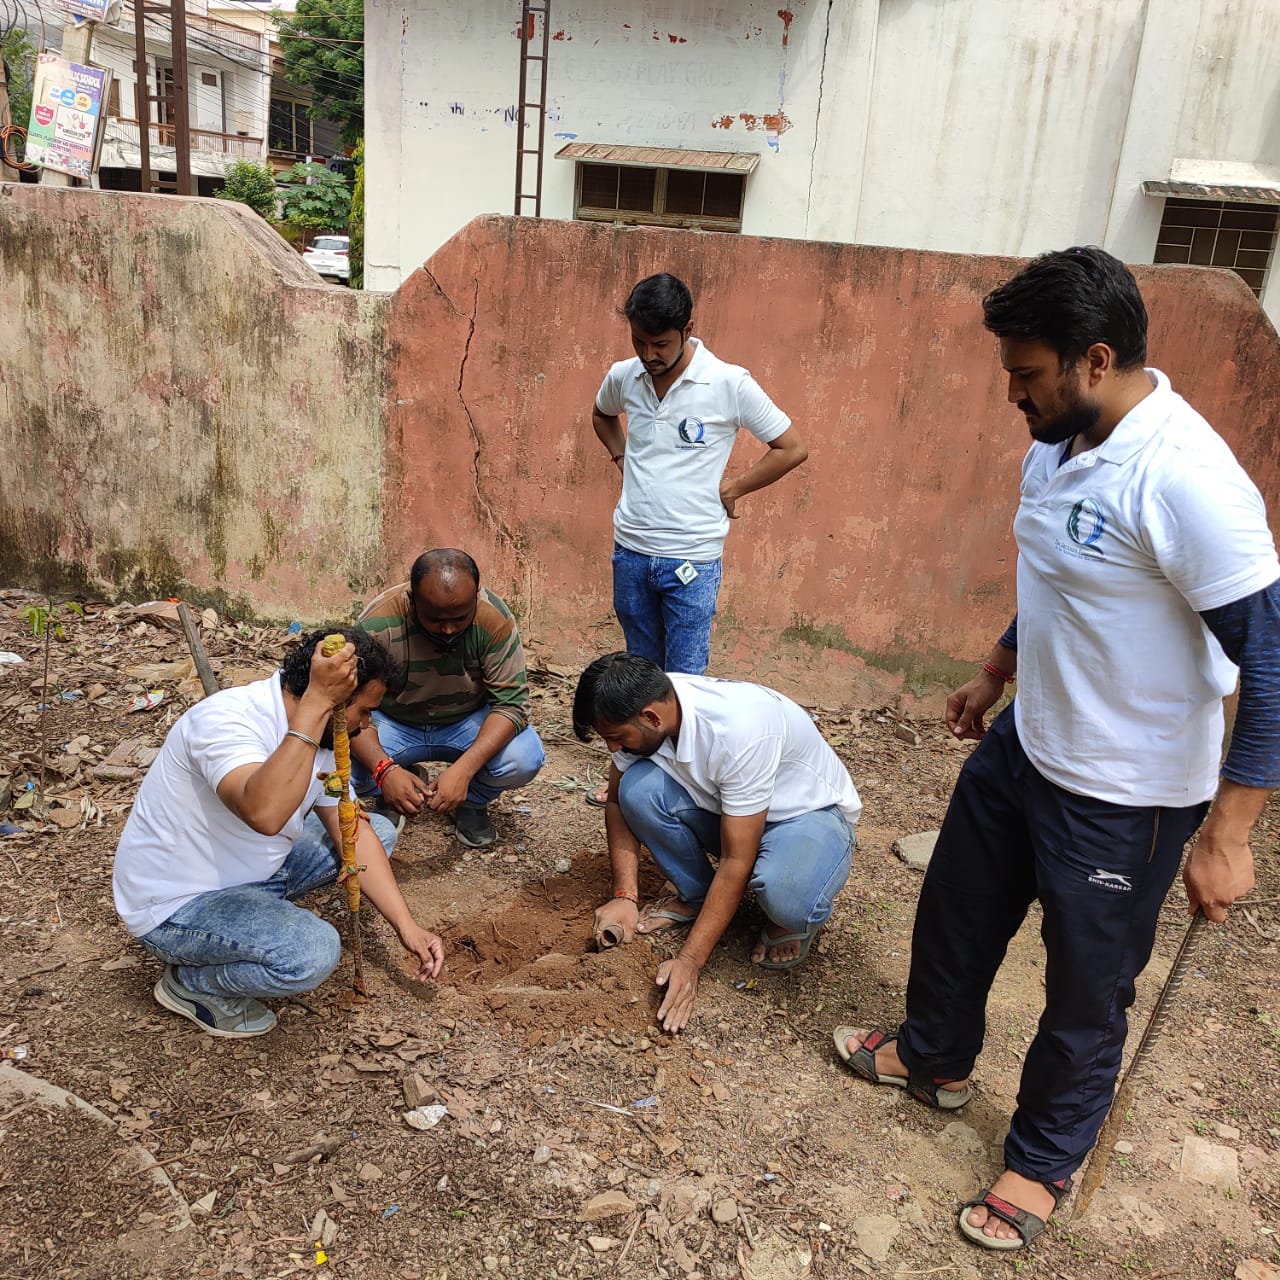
[433, 687]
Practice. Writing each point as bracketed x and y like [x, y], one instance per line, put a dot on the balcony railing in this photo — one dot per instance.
[164, 135]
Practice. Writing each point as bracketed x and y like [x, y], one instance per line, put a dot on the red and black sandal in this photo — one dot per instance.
[862, 1062]
[1024, 1222]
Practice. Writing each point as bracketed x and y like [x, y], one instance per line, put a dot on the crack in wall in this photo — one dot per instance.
[817, 117]
[487, 508]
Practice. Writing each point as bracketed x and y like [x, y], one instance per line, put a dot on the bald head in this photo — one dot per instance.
[446, 569]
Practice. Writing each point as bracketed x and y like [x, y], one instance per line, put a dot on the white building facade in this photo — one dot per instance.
[229, 88]
[1151, 127]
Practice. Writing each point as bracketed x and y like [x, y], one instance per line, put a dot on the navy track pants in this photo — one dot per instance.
[1101, 872]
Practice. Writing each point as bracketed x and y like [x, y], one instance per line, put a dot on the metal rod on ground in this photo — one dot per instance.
[1097, 1170]
[198, 655]
[347, 823]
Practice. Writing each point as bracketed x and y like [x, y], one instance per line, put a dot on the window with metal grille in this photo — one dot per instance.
[697, 198]
[1208, 233]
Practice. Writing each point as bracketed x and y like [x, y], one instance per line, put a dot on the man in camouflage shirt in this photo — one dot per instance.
[462, 697]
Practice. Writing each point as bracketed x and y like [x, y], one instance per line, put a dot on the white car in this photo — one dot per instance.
[329, 256]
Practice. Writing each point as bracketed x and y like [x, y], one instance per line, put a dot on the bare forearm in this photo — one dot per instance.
[366, 747]
[1003, 659]
[765, 471]
[608, 429]
[377, 880]
[267, 797]
[624, 848]
[1236, 808]
[723, 898]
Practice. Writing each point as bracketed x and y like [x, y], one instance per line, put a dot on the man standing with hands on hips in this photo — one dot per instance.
[683, 408]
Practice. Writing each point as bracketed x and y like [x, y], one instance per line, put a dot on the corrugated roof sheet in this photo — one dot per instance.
[1213, 191]
[659, 157]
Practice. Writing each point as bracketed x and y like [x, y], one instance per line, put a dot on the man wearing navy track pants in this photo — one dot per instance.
[1147, 579]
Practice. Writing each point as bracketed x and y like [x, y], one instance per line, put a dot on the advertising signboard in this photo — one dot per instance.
[66, 115]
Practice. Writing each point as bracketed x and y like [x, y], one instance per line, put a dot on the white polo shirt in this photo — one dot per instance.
[677, 450]
[1120, 683]
[743, 748]
[180, 839]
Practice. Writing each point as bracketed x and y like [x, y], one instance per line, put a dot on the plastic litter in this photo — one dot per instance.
[426, 1117]
[147, 701]
[650, 1101]
[6, 656]
[15, 1053]
[295, 628]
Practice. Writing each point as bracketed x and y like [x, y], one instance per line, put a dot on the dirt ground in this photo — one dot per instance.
[578, 1140]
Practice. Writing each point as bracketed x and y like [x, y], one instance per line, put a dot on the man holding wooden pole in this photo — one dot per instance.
[232, 826]
[1147, 581]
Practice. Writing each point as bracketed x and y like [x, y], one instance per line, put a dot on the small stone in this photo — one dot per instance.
[916, 850]
[563, 866]
[369, 1172]
[602, 1244]
[542, 1154]
[1256, 1269]
[874, 1234]
[1124, 1148]
[205, 1203]
[905, 733]
[417, 1092]
[1227, 1132]
[1198, 1085]
[490, 1262]
[1209, 1164]
[963, 1141]
[608, 1204]
[719, 1091]
[725, 1210]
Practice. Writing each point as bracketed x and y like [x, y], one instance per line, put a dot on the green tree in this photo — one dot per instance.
[251, 184]
[323, 48]
[321, 200]
[356, 257]
[19, 53]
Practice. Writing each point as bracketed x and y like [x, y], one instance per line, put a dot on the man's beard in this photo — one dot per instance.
[326, 738]
[1074, 420]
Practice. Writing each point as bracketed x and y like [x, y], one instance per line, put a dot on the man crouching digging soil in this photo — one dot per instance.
[722, 768]
[232, 826]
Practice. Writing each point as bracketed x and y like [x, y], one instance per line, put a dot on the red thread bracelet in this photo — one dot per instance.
[992, 670]
[381, 769]
[626, 893]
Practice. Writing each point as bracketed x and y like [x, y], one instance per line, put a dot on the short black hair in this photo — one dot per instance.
[615, 689]
[448, 562]
[659, 303]
[373, 662]
[1069, 300]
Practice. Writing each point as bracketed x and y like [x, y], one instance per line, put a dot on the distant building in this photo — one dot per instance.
[241, 105]
[1146, 126]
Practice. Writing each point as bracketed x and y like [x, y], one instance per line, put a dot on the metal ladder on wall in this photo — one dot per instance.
[529, 188]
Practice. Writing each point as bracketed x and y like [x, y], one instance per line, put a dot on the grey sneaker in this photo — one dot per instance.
[218, 1015]
[472, 826]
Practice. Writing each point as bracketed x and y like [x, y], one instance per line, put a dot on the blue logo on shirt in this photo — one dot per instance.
[692, 431]
[1086, 523]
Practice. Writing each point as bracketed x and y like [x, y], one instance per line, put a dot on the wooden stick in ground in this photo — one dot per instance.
[198, 655]
[1114, 1123]
[347, 823]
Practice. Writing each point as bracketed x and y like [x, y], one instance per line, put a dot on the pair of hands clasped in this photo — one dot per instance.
[1219, 868]
[679, 975]
[406, 792]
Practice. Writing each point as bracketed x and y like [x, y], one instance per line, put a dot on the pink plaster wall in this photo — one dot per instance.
[894, 538]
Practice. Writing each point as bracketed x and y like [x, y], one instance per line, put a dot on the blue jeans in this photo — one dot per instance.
[802, 864]
[250, 940]
[514, 766]
[664, 619]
